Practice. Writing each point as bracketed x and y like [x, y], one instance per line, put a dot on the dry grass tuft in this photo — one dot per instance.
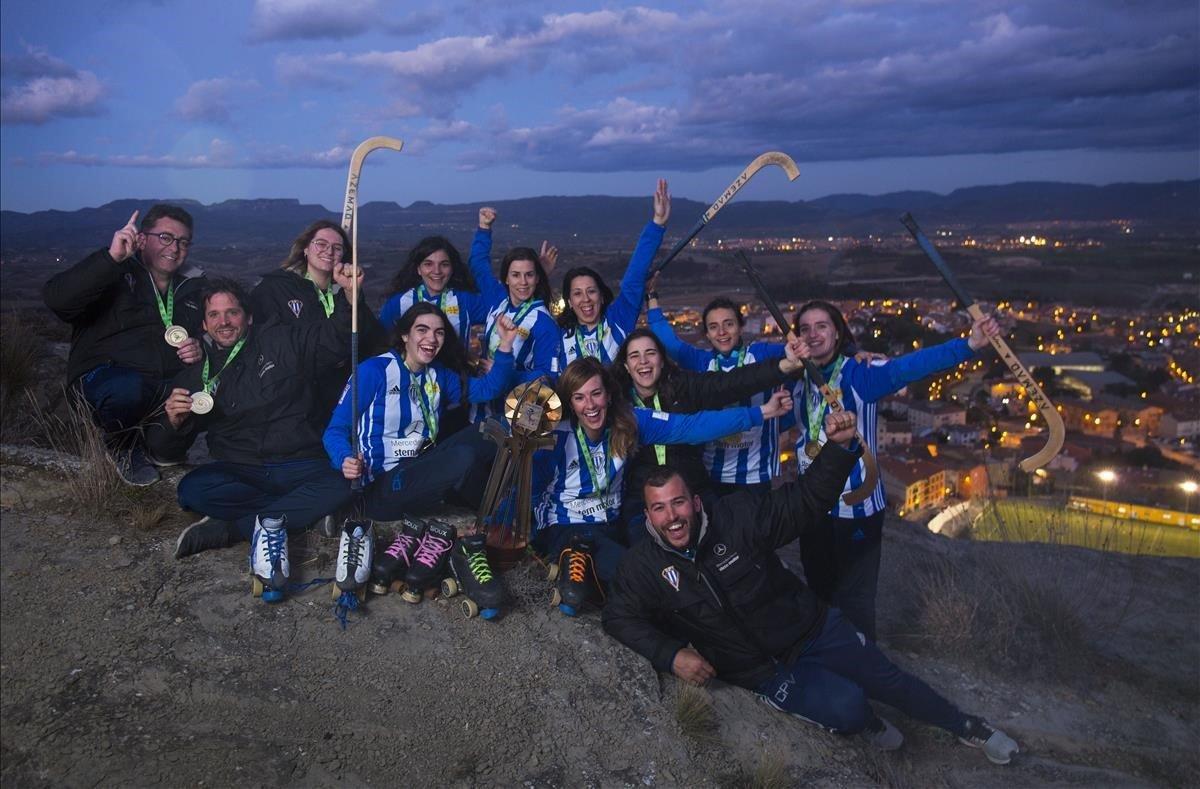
[947, 612]
[695, 714]
[151, 515]
[19, 354]
[96, 488]
[771, 771]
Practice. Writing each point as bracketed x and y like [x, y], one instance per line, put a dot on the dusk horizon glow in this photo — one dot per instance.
[266, 99]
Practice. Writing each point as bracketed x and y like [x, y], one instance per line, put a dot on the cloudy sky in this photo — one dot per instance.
[266, 98]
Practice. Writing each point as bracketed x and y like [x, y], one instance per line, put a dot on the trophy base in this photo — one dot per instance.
[505, 549]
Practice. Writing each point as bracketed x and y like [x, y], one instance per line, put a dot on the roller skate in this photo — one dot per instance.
[471, 574]
[429, 560]
[575, 577]
[269, 558]
[393, 563]
[355, 552]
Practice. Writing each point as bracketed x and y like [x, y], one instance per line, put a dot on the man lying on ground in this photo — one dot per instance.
[707, 597]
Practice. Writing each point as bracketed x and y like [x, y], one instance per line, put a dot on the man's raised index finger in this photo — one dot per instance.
[132, 220]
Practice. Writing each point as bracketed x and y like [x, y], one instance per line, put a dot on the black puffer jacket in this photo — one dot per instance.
[287, 298]
[735, 602]
[114, 316]
[264, 400]
[686, 392]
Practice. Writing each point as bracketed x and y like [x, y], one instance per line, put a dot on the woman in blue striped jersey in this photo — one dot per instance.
[521, 294]
[751, 457]
[841, 560]
[402, 397]
[595, 323]
[435, 273]
[578, 483]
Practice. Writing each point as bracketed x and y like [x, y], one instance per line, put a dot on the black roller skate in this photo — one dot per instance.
[471, 574]
[429, 560]
[393, 562]
[575, 577]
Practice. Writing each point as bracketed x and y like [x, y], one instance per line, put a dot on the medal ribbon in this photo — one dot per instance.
[600, 332]
[423, 294]
[586, 450]
[424, 395]
[204, 379]
[660, 451]
[165, 311]
[323, 296]
[813, 415]
[494, 336]
[740, 355]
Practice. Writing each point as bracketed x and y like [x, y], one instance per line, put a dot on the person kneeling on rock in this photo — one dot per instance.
[707, 597]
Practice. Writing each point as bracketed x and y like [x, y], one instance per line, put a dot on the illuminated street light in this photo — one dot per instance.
[1107, 476]
[1188, 487]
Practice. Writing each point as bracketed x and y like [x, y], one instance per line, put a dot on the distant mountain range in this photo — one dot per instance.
[598, 220]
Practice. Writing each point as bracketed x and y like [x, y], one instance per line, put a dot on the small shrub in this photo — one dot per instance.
[19, 354]
[771, 772]
[694, 713]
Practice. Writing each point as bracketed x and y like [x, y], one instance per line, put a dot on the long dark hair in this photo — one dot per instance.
[453, 354]
[409, 276]
[567, 319]
[845, 344]
[624, 380]
[620, 421]
[542, 289]
[295, 261]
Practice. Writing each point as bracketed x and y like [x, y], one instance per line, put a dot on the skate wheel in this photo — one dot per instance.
[361, 594]
[469, 608]
[412, 596]
[397, 587]
[272, 595]
[256, 586]
[336, 592]
[449, 587]
[489, 613]
[567, 610]
[379, 589]
[552, 573]
[555, 597]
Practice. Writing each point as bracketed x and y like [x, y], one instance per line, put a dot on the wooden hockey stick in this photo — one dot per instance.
[870, 467]
[350, 226]
[1054, 422]
[781, 160]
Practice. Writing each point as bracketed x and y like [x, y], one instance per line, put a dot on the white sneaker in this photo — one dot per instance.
[883, 735]
[997, 746]
[356, 554]
[269, 556]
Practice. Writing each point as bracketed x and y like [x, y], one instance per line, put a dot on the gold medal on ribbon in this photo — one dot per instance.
[812, 449]
[175, 336]
[202, 402]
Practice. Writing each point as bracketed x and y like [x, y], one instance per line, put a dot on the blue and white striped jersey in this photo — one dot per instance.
[396, 408]
[860, 387]
[536, 348]
[751, 456]
[463, 308]
[621, 316]
[569, 492]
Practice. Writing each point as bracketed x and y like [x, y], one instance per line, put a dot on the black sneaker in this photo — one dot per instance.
[204, 535]
[997, 746]
[164, 462]
[133, 468]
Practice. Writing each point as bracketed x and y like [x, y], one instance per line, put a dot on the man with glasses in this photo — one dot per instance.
[135, 320]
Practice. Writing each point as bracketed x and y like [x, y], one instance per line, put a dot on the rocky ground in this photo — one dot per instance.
[122, 666]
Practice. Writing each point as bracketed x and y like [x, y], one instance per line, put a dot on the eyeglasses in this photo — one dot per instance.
[323, 246]
[169, 239]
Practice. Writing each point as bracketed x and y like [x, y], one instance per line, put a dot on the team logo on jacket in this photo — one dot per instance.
[129, 281]
[295, 305]
[671, 576]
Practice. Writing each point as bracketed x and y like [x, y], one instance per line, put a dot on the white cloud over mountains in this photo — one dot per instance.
[36, 88]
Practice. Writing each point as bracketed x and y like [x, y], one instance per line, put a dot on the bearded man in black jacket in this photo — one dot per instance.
[253, 395]
[707, 597]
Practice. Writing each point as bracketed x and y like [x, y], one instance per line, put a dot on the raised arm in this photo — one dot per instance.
[874, 382]
[626, 307]
[480, 261]
[687, 356]
[660, 427]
